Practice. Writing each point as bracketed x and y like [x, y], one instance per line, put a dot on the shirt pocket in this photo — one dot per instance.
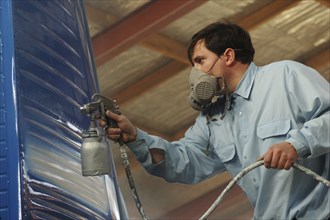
[274, 129]
[226, 153]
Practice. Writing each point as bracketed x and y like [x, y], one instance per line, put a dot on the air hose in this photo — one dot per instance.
[248, 169]
[123, 154]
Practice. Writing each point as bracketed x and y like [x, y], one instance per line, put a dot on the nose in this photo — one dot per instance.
[202, 68]
[197, 66]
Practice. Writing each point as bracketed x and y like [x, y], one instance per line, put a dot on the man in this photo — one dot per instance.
[278, 113]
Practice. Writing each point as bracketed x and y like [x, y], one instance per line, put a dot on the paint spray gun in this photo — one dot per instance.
[95, 150]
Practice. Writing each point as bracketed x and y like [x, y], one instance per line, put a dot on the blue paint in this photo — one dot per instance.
[47, 72]
[9, 143]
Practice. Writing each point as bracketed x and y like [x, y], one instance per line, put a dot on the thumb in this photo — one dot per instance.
[111, 115]
[261, 158]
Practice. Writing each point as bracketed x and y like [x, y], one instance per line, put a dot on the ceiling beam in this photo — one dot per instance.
[265, 13]
[98, 16]
[168, 70]
[319, 60]
[140, 24]
[324, 2]
[157, 42]
[168, 47]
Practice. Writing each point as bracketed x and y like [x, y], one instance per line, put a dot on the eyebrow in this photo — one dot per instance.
[195, 59]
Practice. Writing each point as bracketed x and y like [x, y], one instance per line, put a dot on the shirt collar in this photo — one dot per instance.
[245, 85]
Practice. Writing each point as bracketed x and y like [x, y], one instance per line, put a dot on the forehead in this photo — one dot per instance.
[200, 50]
[199, 47]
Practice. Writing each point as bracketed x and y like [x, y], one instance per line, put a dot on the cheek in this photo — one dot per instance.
[217, 72]
[208, 67]
[198, 66]
[201, 67]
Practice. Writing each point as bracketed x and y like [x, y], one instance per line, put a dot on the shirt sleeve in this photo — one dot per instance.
[311, 93]
[185, 160]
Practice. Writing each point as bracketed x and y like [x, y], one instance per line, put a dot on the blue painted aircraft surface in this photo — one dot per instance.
[46, 73]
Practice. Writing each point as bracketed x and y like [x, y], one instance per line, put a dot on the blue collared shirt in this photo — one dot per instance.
[282, 101]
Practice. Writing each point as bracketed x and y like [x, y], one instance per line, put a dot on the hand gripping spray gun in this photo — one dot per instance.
[95, 150]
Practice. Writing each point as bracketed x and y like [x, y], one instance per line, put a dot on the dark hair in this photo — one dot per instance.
[219, 36]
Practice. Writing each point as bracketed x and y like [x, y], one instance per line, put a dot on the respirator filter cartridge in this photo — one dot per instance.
[203, 88]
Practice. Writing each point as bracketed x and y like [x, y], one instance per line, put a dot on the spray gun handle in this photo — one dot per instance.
[105, 105]
[113, 124]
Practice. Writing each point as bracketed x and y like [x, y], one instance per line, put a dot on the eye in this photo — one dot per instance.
[200, 61]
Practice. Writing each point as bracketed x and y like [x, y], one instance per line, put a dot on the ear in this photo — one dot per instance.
[229, 54]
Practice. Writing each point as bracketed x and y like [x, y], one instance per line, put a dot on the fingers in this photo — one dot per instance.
[288, 164]
[268, 159]
[271, 160]
[111, 115]
[113, 133]
[280, 156]
[123, 130]
[102, 123]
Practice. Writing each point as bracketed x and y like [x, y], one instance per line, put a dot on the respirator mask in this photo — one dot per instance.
[203, 88]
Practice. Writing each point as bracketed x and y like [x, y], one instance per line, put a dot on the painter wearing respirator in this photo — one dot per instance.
[96, 153]
[204, 88]
[271, 118]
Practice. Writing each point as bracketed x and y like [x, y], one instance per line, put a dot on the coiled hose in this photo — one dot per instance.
[248, 169]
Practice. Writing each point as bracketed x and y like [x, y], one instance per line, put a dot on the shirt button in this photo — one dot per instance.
[240, 113]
